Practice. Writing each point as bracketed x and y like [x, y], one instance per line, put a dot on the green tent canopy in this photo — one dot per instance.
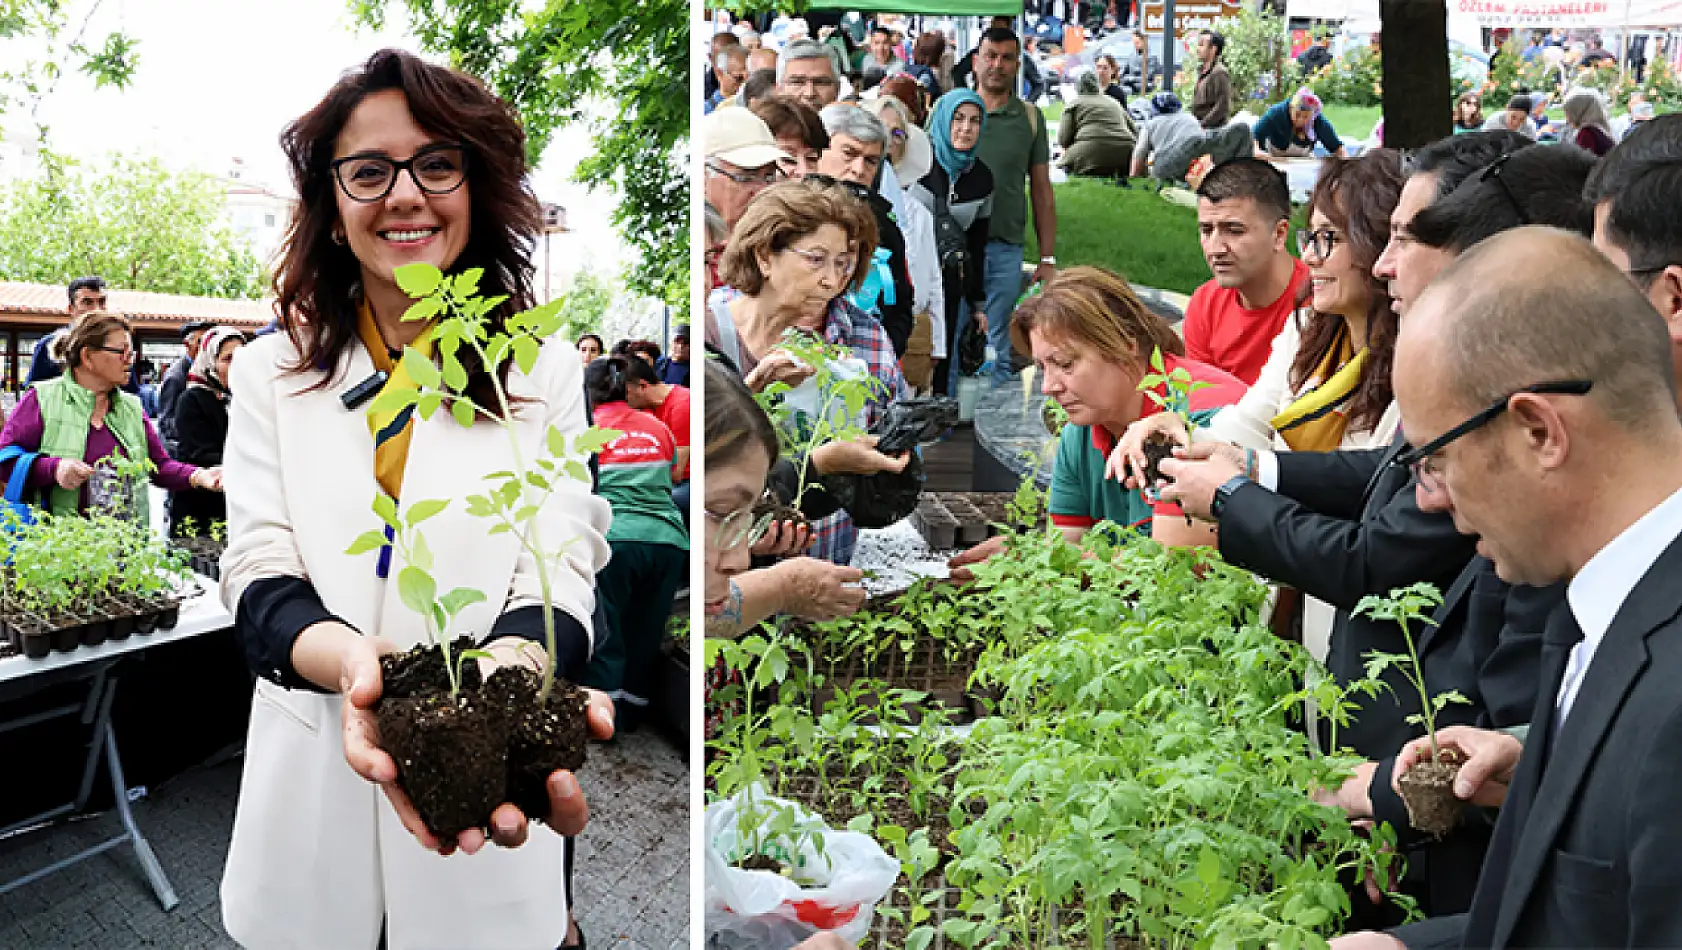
[925, 7]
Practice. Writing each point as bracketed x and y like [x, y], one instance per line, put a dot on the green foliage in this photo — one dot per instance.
[54, 30]
[1662, 87]
[1179, 386]
[550, 59]
[1356, 79]
[1158, 247]
[133, 221]
[841, 402]
[1404, 606]
[63, 564]
[1139, 777]
[514, 498]
[587, 301]
[1257, 58]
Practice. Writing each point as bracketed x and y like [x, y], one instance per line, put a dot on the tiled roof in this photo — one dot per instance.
[23, 299]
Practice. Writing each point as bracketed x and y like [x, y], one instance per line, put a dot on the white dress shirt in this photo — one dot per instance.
[1599, 590]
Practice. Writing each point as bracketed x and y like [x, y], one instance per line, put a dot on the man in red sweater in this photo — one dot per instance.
[1243, 221]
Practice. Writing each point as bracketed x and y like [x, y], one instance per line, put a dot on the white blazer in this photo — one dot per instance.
[318, 857]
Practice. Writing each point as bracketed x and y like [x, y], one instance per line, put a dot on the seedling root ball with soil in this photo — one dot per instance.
[1427, 789]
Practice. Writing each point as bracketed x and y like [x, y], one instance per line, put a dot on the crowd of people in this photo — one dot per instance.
[1474, 342]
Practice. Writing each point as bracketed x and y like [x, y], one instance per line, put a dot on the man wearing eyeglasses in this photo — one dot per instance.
[806, 71]
[1556, 440]
[857, 150]
[742, 160]
[730, 68]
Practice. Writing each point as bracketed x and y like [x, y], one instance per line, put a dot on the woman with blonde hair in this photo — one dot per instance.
[1094, 339]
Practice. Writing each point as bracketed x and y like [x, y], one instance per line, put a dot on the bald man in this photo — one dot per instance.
[1556, 440]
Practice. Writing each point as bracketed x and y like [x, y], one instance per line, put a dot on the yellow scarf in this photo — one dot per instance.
[391, 430]
[1316, 420]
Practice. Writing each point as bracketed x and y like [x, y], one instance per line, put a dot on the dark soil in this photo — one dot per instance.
[1428, 791]
[1157, 448]
[769, 505]
[458, 759]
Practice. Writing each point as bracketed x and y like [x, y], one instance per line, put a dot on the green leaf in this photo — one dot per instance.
[920, 938]
[463, 411]
[365, 542]
[419, 554]
[460, 599]
[393, 400]
[556, 441]
[467, 282]
[386, 507]
[421, 369]
[423, 309]
[422, 510]
[418, 279]
[525, 353]
[416, 588]
[428, 404]
[455, 375]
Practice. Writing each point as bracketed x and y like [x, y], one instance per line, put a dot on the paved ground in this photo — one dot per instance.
[631, 884]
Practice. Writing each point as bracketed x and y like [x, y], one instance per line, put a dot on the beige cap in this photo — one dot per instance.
[741, 138]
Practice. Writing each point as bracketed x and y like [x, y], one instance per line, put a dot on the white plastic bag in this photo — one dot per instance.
[763, 910]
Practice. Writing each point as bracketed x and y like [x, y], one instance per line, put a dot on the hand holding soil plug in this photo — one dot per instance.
[362, 684]
[1145, 444]
[1191, 477]
[784, 539]
[1487, 762]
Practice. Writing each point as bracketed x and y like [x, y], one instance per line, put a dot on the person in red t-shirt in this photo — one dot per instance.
[1243, 220]
[666, 402]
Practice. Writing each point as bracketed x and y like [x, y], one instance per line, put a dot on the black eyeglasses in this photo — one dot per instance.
[1493, 173]
[435, 169]
[1321, 242]
[1419, 459]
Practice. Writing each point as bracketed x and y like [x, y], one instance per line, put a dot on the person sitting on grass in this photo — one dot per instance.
[1096, 133]
[1172, 140]
[1297, 128]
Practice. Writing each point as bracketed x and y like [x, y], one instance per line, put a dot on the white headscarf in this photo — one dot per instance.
[204, 365]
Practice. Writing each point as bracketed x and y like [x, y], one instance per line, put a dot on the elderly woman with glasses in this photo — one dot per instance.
[798, 249]
[77, 422]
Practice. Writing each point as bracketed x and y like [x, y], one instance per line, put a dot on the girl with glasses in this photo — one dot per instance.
[401, 162]
[77, 420]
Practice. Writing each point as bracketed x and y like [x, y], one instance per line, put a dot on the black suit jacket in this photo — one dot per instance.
[1342, 526]
[1588, 848]
[1351, 527]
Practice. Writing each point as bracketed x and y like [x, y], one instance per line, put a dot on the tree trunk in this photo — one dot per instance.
[1418, 93]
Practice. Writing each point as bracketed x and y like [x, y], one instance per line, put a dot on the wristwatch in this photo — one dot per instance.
[1225, 492]
[1048, 259]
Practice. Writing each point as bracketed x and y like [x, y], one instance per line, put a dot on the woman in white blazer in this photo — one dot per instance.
[402, 161]
[1326, 384]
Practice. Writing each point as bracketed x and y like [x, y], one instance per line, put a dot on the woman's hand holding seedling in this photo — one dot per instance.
[778, 366]
[208, 479]
[1488, 760]
[856, 457]
[818, 590]
[72, 474]
[1127, 460]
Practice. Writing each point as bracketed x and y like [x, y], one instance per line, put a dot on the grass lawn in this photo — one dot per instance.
[1353, 123]
[1131, 231]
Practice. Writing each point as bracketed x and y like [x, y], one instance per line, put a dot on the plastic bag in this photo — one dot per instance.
[912, 422]
[972, 349]
[763, 910]
[876, 501]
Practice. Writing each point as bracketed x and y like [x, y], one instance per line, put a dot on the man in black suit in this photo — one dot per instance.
[1525, 413]
[1344, 525]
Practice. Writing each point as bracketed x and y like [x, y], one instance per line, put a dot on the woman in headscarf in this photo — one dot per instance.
[1294, 127]
[959, 191]
[201, 426]
[1096, 133]
[1586, 123]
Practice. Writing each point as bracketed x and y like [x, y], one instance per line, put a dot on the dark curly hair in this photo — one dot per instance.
[318, 282]
[1357, 194]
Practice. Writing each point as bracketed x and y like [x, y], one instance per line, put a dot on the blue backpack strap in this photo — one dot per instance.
[20, 470]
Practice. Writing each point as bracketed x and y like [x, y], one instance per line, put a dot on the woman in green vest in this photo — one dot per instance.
[77, 420]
